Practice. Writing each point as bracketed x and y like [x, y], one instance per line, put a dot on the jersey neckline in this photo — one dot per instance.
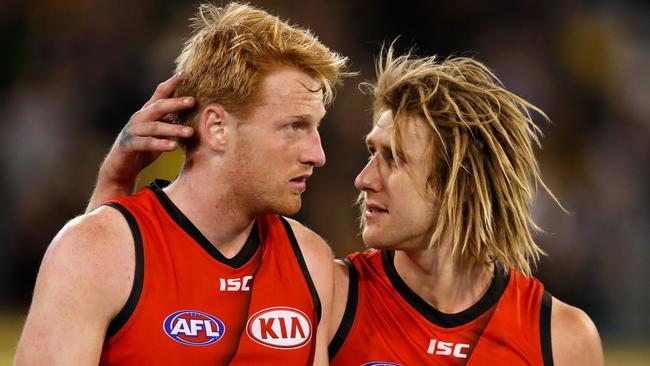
[242, 257]
[435, 316]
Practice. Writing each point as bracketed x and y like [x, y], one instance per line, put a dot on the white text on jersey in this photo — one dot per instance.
[235, 284]
[437, 347]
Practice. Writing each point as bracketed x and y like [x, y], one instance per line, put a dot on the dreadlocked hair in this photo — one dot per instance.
[483, 170]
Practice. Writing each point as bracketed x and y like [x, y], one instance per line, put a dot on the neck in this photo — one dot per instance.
[210, 206]
[439, 279]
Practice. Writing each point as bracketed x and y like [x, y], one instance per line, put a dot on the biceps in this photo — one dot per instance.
[54, 336]
[68, 317]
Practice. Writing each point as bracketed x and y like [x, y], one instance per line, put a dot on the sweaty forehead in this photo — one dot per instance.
[381, 130]
[293, 91]
[415, 134]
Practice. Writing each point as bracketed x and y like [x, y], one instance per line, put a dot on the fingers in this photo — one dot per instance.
[153, 136]
[160, 130]
[166, 88]
[139, 144]
[148, 130]
[163, 107]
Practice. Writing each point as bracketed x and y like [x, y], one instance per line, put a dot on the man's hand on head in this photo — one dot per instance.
[146, 135]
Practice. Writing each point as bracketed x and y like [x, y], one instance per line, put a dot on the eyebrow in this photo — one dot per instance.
[308, 118]
[372, 143]
[304, 119]
[384, 148]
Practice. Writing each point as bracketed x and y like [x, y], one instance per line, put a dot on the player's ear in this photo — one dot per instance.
[214, 126]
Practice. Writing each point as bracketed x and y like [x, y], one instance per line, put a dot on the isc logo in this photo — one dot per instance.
[235, 284]
[193, 327]
[279, 327]
[437, 347]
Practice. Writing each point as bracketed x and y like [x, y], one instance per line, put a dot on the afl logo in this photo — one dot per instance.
[193, 327]
[380, 364]
[279, 327]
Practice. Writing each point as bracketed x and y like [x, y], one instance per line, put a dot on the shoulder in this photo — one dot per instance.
[84, 281]
[319, 260]
[313, 247]
[89, 234]
[91, 249]
[317, 253]
[574, 337]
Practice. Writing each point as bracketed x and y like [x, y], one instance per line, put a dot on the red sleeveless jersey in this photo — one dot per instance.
[386, 324]
[190, 305]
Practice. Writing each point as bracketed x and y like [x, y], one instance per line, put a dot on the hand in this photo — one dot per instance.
[148, 133]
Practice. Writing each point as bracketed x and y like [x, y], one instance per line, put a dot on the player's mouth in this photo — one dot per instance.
[299, 183]
[374, 211]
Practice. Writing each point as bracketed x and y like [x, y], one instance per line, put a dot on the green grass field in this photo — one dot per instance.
[616, 354]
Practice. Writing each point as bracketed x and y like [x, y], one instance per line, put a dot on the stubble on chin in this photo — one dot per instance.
[279, 203]
[290, 206]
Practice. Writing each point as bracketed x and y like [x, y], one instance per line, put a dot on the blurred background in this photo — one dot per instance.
[72, 73]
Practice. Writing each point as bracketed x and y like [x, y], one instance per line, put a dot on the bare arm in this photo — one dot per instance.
[320, 262]
[143, 139]
[574, 337]
[84, 280]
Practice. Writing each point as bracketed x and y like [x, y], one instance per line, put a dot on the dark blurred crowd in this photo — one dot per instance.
[72, 72]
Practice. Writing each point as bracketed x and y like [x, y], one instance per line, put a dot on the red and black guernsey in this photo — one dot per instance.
[386, 323]
[190, 305]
